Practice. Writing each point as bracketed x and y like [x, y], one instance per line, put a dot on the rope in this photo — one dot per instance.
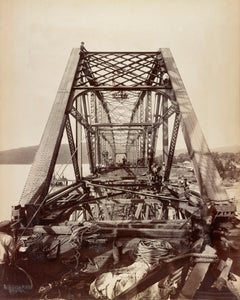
[151, 250]
[27, 275]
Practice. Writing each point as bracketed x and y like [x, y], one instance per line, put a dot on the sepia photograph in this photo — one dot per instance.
[120, 149]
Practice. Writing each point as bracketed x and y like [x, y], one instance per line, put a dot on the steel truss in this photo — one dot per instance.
[123, 101]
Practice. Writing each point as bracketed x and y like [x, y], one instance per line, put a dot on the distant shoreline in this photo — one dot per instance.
[25, 155]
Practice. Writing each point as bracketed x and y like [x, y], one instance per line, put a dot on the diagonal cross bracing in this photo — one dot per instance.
[40, 174]
[124, 84]
[208, 177]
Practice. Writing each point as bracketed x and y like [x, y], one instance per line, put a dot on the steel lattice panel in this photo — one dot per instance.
[120, 69]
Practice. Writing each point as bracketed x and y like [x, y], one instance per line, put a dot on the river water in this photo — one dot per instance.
[13, 178]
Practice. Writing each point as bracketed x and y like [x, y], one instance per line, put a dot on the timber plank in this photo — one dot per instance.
[196, 276]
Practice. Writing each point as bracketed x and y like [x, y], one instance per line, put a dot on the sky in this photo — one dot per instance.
[37, 36]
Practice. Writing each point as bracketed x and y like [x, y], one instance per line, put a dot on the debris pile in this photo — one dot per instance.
[111, 284]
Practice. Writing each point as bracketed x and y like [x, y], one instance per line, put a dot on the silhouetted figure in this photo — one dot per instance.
[6, 251]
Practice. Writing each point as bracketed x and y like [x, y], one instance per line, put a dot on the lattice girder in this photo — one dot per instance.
[117, 92]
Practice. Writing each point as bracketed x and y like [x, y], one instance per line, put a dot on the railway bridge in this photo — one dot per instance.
[125, 106]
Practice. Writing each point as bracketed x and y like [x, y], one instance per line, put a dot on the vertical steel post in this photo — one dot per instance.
[155, 130]
[172, 146]
[148, 119]
[88, 136]
[98, 145]
[165, 129]
[73, 148]
[79, 138]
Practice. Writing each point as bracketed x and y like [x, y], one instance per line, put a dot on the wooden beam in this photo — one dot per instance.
[156, 274]
[196, 276]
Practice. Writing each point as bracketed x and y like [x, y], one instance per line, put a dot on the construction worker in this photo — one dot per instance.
[159, 178]
[165, 78]
[186, 188]
[6, 251]
[154, 172]
[13, 280]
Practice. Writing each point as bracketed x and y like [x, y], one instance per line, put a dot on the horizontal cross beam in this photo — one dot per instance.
[122, 52]
[160, 197]
[122, 88]
[120, 124]
[122, 129]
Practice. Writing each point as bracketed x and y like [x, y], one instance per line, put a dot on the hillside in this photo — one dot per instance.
[227, 149]
[26, 155]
